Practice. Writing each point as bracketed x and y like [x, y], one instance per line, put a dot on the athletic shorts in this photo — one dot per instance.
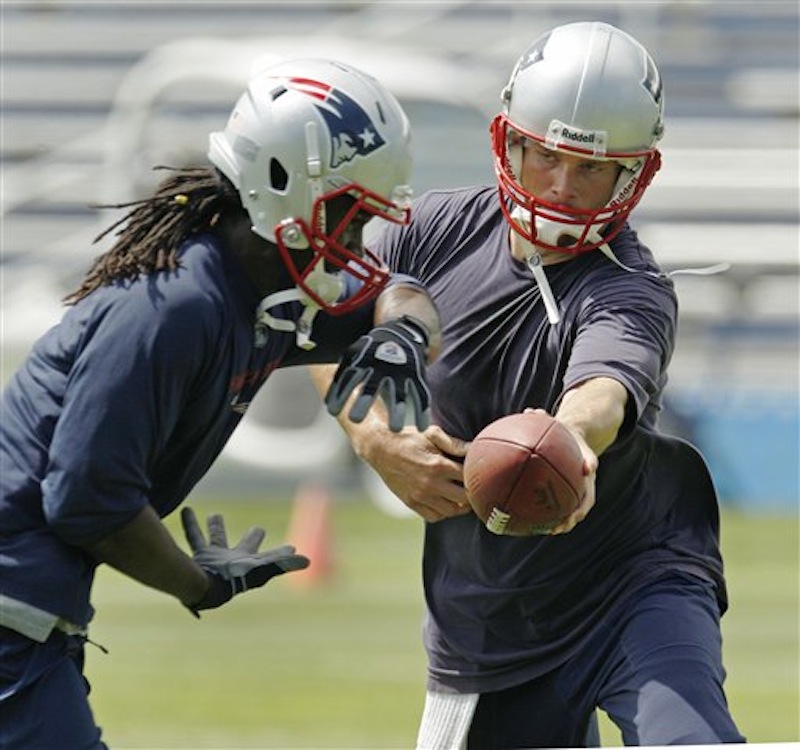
[44, 695]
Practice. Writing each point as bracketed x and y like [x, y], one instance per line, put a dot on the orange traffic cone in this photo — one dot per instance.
[311, 532]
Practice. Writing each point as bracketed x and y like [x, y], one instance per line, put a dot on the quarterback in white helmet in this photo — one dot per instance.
[549, 300]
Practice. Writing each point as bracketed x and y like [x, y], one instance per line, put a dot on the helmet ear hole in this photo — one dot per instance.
[278, 176]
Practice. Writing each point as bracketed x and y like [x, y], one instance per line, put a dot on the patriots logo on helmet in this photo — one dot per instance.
[352, 131]
[534, 53]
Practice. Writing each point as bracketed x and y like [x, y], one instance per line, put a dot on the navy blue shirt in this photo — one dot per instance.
[503, 610]
[128, 401]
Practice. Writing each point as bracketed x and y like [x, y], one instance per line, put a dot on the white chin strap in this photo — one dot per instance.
[551, 231]
[328, 286]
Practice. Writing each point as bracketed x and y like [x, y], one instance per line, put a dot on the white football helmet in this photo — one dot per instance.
[303, 134]
[590, 90]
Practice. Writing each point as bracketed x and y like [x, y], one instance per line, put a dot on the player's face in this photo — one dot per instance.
[345, 224]
[567, 180]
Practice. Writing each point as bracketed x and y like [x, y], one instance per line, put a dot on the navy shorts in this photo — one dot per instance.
[44, 695]
[654, 666]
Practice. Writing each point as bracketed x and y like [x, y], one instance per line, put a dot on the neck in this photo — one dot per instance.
[259, 258]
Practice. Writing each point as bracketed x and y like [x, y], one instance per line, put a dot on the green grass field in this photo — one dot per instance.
[341, 665]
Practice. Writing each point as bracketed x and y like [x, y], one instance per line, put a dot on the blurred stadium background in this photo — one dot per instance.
[94, 94]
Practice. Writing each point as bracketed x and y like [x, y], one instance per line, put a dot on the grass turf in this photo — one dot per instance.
[340, 664]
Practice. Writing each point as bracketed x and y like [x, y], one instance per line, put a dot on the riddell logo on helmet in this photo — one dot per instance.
[577, 136]
[559, 134]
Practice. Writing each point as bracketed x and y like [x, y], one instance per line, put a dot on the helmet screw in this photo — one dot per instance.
[292, 233]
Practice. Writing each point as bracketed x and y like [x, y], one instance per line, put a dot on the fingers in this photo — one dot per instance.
[191, 530]
[439, 511]
[447, 444]
[580, 513]
[274, 563]
[423, 419]
[216, 531]
[419, 404]
[531, 410]
[395, 404]
[361, 406]
[345, 381]
[251, 540]
[290, 562]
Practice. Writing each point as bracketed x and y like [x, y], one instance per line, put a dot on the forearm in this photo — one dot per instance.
[404, 299]
[365, 435]
[596, 410]
[423, 469]
[145, 551]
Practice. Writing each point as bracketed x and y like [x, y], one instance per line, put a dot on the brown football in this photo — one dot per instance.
[523, 474]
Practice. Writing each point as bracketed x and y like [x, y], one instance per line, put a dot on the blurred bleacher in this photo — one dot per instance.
[94, 94]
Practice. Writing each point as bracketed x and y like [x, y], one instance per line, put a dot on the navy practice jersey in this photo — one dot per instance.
[128, 401]
[502, 610]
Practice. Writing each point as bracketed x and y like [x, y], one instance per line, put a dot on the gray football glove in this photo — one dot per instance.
[234, 570]
[389, 361]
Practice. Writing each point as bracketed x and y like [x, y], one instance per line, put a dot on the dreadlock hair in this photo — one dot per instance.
[187, 202]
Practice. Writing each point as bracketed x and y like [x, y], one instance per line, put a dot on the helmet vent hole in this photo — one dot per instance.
[278, 176]
[277, 92]
[380, 112]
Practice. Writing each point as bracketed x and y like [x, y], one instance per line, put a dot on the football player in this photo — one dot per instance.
[550, 301]
[224, 274]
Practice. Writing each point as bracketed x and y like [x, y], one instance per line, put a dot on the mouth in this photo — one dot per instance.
[566, 241]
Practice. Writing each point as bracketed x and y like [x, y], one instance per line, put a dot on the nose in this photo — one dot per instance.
[562, 184]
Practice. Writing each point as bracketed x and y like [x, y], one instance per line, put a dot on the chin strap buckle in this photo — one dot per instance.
[303, 327]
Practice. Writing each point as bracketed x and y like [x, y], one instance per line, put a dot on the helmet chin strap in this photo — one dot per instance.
[327, 286]
[551, 231]
[265, 321]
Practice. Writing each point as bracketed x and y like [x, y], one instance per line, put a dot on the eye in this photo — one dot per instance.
[545, 155]
[597, 167]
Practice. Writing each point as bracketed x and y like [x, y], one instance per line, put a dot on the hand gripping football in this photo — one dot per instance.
[523, 474]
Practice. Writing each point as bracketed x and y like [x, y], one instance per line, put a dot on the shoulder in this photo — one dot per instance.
[476, 198]
[180, 301]
[198, 285]
[632, 252]
[630, 269]
[631, 292]
[439, 218]
[452, 215]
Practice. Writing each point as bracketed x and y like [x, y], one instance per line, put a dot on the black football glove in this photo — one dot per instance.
[388, 361]
[234, 570]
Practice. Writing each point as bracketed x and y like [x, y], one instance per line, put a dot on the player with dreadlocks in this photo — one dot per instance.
[224, 274]
[188, 202]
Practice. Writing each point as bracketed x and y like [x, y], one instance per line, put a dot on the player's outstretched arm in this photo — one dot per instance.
[145, 550]
[423, 469]
[594, 412]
